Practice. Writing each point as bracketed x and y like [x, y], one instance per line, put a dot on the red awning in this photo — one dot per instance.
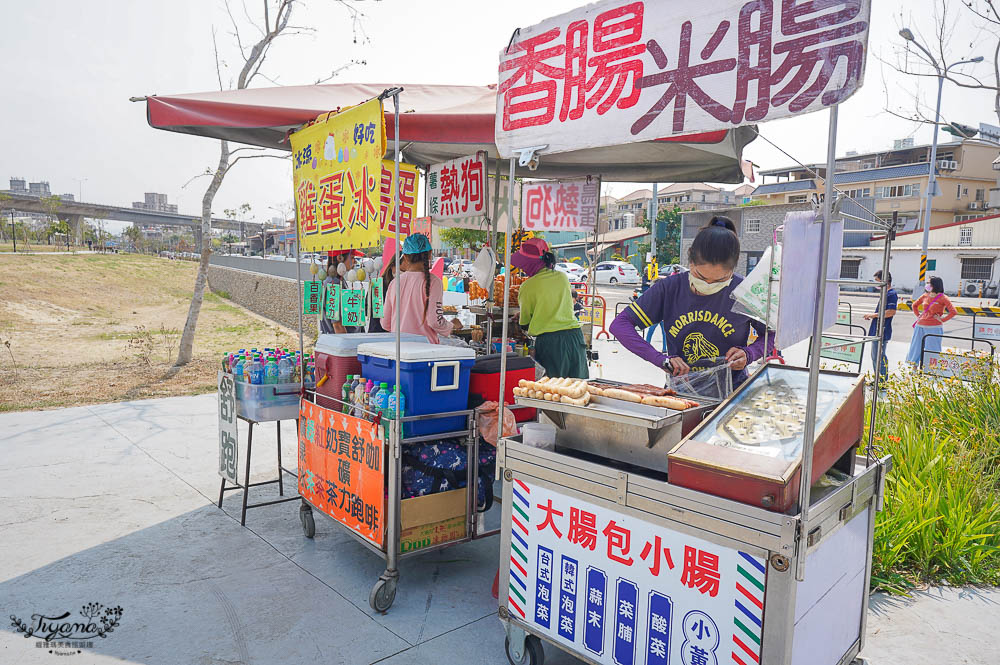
[441, 122]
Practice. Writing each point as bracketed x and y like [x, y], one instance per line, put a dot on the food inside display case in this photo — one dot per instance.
[750, 449]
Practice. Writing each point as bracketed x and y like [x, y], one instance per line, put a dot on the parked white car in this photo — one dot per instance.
[460, 266]
[616, 272]
[575, 272]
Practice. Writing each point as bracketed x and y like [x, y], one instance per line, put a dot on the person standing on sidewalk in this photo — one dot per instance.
[891, 301]
[937, 310]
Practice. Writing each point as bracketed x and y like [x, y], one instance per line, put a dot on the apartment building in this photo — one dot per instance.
[896, 181]
[696, 196]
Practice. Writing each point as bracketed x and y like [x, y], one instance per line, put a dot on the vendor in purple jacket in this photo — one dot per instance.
[696, 310]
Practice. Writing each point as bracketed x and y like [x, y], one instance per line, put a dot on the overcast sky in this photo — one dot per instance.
[68, 69]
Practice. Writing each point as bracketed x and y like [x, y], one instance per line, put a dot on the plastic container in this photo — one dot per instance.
[337, 356]
[485, 380]
[435, 378]
[267, 402]
[539, 435]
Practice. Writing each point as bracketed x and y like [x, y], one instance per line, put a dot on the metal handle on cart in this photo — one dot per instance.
[454, 364]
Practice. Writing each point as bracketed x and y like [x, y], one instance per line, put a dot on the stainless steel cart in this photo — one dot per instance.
[705, 573]
[383, 592]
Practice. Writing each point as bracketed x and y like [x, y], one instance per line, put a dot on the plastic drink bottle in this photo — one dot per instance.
[366, 398]
[271, 371]
[285, 370]
[256, 372]
[395, 410]
[238, 370]
[345, 394]
[382, 399]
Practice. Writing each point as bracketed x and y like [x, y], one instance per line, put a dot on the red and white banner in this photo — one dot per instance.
[617, 72]
[560, 205]
[457, 189]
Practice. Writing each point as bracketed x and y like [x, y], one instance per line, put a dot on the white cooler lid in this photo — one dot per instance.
[348, 343]
[416, 351]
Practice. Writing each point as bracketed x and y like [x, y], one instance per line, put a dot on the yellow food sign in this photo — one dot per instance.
[337, 174]
[407, 199]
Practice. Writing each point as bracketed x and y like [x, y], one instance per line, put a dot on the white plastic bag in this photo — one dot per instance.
[751, 294]
[484, 267]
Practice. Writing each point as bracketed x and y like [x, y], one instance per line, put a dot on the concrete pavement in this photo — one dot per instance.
[114, 504]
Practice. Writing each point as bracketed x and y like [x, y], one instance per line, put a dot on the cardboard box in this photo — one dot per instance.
[432, 519]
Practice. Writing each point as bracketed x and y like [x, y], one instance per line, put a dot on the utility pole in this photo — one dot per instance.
[654, 206]
[13, 230]
[942, 72]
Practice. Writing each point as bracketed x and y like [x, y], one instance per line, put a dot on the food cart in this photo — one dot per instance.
[441, 123]
[743, 538]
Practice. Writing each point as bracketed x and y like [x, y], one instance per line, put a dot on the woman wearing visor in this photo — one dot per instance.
[695, 309]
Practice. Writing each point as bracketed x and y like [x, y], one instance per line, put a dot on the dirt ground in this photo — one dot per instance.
[97, 328]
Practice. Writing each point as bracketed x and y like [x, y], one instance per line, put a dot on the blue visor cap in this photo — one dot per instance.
[416, 243]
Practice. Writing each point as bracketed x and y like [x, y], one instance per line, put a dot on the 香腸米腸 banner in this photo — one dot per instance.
[617, 72]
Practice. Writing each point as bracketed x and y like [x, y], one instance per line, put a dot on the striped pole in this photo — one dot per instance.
[923, 268]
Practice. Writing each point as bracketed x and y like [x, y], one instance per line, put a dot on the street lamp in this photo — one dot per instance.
[907, 34]
[80, 182]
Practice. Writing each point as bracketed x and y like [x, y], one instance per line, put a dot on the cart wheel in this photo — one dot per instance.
[308, 523]
[533, 653]
[382, 595]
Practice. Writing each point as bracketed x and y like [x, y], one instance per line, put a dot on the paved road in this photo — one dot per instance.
[121, 511]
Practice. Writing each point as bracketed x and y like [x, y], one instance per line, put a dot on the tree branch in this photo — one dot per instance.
[337, 71]
[218, 69]
[236, 30]
[235, 161]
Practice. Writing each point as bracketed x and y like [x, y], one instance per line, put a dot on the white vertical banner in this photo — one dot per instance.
[228, 439]
[456, 189]
[800, 258]
[560, 205]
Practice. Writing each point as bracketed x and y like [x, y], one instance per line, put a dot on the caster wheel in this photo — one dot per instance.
[533, 653]
[308, 523]
[382, 595]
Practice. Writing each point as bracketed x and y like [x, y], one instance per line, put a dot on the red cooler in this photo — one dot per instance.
[337, 357]
[485, 380]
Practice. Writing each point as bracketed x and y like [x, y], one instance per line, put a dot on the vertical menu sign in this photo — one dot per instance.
[560, 205]
[228, 440]
[623, 591]
[456, 189]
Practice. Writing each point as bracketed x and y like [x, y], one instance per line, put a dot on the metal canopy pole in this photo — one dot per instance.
[816, 345]
[506, 297]
[391, 573]
[883, 295]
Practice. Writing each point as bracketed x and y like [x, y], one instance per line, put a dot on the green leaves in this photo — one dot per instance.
[941, 521]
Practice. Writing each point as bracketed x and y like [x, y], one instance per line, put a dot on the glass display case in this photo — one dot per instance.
[750, 449]
[768, 417]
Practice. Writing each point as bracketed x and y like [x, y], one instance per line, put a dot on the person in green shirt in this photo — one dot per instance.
[546, 306]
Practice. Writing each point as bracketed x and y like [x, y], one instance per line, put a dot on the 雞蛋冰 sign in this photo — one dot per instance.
[337, 174]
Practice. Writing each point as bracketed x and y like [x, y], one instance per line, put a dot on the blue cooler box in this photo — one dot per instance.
[434, 378]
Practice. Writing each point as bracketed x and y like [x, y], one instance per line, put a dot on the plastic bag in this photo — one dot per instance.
[751, 294]
[709, 377]
[484, 266]
[486, 420]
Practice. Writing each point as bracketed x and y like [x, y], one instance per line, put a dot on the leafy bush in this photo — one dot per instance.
[941, 522]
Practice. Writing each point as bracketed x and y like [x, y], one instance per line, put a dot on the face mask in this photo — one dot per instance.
[928, 288]
[705, 288]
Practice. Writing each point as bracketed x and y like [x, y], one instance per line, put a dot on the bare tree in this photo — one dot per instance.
[946, 45]
[276, 17]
